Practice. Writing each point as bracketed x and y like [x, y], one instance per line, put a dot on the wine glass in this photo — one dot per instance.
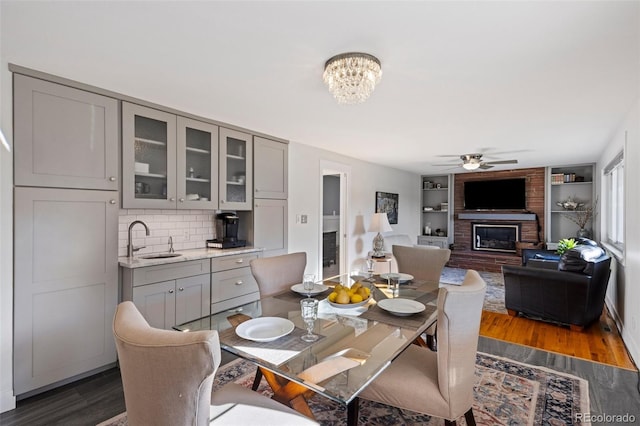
[371, 267]
[309, 311]
[308, 283]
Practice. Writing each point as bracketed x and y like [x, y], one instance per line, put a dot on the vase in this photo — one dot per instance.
[583, 233]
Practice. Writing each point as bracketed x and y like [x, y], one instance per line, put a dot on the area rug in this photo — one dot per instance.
[494, 296]
[506, 393]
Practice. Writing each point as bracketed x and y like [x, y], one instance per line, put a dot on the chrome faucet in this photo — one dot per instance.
[171, 250]
[130, 248]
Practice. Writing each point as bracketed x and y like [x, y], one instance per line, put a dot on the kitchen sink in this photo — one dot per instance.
[160, 255]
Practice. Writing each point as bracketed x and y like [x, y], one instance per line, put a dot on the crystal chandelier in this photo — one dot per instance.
[351, 77]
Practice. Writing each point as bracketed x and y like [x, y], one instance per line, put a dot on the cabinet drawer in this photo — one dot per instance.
[170, 271]
[232, 262]
[232, 283]
[230, 304]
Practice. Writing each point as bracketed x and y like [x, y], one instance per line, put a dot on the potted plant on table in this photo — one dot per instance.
[566, 244]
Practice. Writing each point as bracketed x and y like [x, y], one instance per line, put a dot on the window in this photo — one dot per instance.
[614, 202]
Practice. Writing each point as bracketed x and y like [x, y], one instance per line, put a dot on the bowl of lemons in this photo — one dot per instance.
[349, 297]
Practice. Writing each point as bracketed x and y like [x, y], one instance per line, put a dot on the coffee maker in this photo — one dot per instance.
[226, 232]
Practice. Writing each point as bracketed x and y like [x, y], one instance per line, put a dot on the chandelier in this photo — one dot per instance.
[351, 77]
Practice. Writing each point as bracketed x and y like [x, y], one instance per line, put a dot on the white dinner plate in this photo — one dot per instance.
[264, 329]
[401, 307]
[317, 289]
[403, 277]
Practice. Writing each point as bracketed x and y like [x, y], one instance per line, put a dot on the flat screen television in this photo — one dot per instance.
[499, 194]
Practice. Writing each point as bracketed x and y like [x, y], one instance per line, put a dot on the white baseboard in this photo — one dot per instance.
[7, 401]
[632, 346]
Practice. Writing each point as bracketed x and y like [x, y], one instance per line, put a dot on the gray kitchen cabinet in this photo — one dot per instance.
[65, 284]
[169, 294]
[232, 283]
[64, 137]
[168, 161]
[236, 170]
[270, 169]
[270, 226]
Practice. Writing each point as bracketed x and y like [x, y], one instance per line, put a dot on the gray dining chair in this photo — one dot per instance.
[274, 275]
[423, 263]
[278, 273]
[439, 383]
[168, 376]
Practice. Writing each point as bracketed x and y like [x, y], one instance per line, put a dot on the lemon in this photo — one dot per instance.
[356, 298]
[332, 297]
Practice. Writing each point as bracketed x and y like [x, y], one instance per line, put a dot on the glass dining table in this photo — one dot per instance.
[355, 344]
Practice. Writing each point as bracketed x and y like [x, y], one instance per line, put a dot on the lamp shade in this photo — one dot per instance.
[379, 223]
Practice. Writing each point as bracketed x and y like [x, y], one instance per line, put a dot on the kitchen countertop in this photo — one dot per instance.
[191, 254]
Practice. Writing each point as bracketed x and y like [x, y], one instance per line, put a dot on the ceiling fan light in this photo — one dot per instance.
[470, 165]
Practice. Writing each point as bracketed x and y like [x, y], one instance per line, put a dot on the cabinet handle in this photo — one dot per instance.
[181, 289]
[181, 200]
[257, 189]
[172, 199]
[221, 201]
[239, 282]
[240, 261]
[171, 291]
[112, 178]
[112, 201]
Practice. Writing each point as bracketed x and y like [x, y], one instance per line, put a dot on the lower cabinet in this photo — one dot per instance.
[232, 283]
[169, 294]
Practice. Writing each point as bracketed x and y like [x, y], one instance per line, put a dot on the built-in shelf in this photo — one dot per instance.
[198, 150]
[497, 216]
[235, 183]
[235, 157]
[190, 179]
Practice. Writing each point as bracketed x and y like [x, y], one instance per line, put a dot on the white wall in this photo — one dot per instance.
[623, 294]
[305, 176]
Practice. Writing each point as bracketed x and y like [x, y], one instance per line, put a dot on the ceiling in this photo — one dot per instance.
[542, 82]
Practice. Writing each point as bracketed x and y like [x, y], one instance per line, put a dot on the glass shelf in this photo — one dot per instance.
[150, 141]
[198, 151]
[235, 157]
[190, 179]
[151, 175]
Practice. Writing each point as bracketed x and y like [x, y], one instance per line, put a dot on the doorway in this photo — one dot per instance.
[333, 225]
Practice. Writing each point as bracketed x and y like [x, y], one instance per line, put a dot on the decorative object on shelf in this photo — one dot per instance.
[581, 217]
[565, 244]
[427, 185]
[352, 77]
[387, 202]
[191, 172]
[427, 229]
[570, 204]
[440, 233]
[379, 223]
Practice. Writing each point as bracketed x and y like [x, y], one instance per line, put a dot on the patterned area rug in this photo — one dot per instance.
[494, 297]
[506, 393]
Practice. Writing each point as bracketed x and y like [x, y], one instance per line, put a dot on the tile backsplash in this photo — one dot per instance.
[189, 229]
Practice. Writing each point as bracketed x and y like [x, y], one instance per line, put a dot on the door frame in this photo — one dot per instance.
[328, 167]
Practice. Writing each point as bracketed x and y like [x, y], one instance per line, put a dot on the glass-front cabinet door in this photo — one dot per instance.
[236, 177]
[197, 165]
[148, 157]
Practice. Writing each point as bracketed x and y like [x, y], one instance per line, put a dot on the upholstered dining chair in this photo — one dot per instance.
[439, 383]
[423, 263]
[167, 377]
[277, 273]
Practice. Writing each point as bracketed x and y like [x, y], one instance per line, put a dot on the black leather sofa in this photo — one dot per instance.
[571, 293]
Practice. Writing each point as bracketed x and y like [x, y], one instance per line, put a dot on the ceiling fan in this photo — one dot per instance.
[474, 161]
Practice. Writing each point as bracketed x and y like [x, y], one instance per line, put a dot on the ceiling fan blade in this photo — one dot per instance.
[502, 162]
[485, 166]
[447, 164]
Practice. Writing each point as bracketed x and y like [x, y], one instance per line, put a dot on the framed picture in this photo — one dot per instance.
[387, 202]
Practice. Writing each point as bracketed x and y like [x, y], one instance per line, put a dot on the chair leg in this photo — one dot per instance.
[468, 416]
[256, 380]
[449, 422]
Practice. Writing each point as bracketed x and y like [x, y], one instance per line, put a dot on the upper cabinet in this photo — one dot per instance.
[64, 137]
[236, 172]
[270, 172]
[167, 161]
[567, 184]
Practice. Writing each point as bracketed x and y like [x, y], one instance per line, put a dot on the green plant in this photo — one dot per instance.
[565, 244]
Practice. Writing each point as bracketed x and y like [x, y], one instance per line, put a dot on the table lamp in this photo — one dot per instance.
[379, 223]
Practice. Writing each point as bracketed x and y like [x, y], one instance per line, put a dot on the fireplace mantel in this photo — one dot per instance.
[497, 216]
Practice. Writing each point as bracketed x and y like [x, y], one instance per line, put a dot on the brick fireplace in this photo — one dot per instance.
[463, 254]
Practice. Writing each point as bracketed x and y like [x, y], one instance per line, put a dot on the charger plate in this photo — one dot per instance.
[401, 307]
